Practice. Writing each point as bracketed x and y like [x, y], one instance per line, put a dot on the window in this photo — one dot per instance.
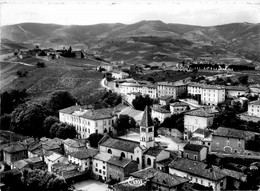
[148, 161]
[209, 184]
[150, 129]
[104, 172]
[104, 167]
[96, 123]
[143, 129]
[96, 169]
[187, 155]
[100, 171]
[137, 160]
[239, 144]
[123, 155]
[109, 151]
[131, 157]
[196, 180]
[96, 164]
[201, 181]
[195, 157]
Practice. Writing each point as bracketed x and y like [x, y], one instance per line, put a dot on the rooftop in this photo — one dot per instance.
[177, 83]
[193, 147]
[84, 154]
[73, 143]
[120, 144]
[20, 164]
[197, 168]
[160, 110]
[54, 156]
[165, 162]
[236, 88]
[234, 133]
[147, 119]
[15, 147]
[159, 177]
[118, 161]
[153, 151]
[179, 104]
[103, 157]
[165, 97]
[200, 112]
[257, 102]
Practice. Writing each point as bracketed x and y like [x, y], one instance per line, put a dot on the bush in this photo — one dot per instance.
[21, 74]
[40, 64]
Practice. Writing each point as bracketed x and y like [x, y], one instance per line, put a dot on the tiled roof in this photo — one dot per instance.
[84, 154]
[236, 88]
[153, 151]
[177, 83]
[205, 86]
[70, 110]
[200, 112]
[159, 177]
[165, 97]
[16, 147]
[161, 110]
[194, 84]
[99, 114]
[232, 173]
[120, 144]
[54, 156]
[147, 119]
[73, 143]
[193, 147]
[196, 168]
[33, 160]
[103, 157]
[228, 132]
[165, 162]
[257, 102]
[20, 164]
[179, 104]
[121, 162]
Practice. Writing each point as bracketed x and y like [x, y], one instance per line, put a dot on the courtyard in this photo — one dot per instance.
[90, 185]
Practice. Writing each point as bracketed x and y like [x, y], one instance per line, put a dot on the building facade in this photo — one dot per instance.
[174, 89]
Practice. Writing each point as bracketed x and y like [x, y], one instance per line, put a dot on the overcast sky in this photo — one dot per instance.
[195, 12]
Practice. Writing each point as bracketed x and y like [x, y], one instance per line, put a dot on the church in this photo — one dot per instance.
[146, 152]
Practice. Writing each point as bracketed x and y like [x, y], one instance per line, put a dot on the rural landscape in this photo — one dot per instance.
[149, 105]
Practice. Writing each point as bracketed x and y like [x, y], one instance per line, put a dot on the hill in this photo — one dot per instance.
[143, 41]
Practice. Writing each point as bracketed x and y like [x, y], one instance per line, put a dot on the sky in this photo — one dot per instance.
[88, 12]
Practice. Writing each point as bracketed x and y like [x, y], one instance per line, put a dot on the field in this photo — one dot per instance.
[73, 75]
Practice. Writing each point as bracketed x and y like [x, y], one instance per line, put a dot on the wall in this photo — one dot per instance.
[254, 110]
[160, 116]
[115, 172]
[194, 122]
[221, 144]
[100, 168]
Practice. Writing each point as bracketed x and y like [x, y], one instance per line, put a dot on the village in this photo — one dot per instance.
[180, 139]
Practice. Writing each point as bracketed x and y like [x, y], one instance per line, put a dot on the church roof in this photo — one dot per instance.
[147, 119]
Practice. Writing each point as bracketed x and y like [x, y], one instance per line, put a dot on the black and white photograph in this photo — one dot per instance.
[129, 95]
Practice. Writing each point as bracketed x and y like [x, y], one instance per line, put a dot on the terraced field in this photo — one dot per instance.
[72, 75]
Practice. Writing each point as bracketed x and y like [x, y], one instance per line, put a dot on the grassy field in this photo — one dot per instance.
[73, 75]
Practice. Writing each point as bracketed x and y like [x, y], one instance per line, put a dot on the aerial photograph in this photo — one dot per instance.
[129, 95]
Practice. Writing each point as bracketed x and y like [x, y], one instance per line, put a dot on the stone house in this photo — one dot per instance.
[71, 145]
[118, 168]
[14, 152]
[195, 152]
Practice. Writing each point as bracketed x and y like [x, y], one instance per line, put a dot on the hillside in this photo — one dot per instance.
[133, 41]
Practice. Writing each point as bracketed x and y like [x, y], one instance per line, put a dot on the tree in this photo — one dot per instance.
[59, 100]
[40, 64]
[141, 102]
[5, 122]
[62, 131]
[243, 79]
[28, 118]
[48, 123]
[94, 138]
[11, 99]
[123, 123]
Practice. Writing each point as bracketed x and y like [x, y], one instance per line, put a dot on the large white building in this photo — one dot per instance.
[88, 121]
[119, 74]
[174, 89]
[144, 89]
[207, 94]
[160, 113]
[254, 108]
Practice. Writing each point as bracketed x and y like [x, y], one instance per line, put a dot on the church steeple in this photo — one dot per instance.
[147, 130]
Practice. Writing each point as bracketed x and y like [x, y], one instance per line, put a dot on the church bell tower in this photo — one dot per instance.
[147, 130]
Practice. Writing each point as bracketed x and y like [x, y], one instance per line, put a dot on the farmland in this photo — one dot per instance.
[72, 75]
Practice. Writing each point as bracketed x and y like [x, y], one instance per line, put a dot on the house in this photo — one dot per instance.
[119, 74]
[52, 158]
[71, 145]
[67, 171]
[241, 102]
[20, 165]
[229, 140]
[118, 168]
[198, 172]
[198, 118]
[88, 121]
[202, 137]
[82, 158]
[14, 152]
[79, 54]
[195, 152]
[178, 107]
[160, 113]
[235, 91]
[159, 180]
[207, 94]
[32, 163]
[107, 67]
[174, 89]
[99, 165]
[165, 100]
[154, 154]
[163, 165]
[254, 108]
